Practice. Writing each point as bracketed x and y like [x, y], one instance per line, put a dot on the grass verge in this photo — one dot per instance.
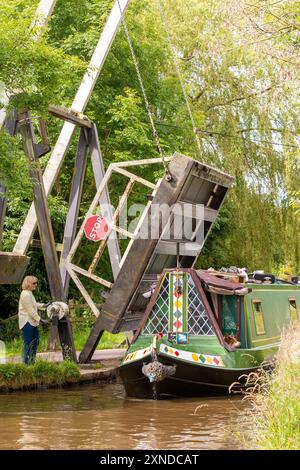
[275, 410]
[17, 376]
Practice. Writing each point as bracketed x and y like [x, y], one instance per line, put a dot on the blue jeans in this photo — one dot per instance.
[30, 343]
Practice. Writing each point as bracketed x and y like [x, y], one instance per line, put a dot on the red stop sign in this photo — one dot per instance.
[95, 228]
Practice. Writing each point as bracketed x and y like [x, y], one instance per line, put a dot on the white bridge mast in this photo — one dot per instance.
[80, 101]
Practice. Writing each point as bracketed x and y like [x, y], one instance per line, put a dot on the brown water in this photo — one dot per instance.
[102, 417]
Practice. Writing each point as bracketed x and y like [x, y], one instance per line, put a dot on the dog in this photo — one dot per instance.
[232, 341]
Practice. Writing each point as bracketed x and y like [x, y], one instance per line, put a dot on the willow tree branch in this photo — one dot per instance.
[240, 98]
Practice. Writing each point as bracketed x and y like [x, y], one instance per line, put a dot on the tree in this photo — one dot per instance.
[239, 60]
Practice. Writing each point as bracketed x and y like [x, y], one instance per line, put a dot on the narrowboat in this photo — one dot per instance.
[203, 330]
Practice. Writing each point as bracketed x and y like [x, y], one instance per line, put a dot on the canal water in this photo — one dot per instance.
[102, 417]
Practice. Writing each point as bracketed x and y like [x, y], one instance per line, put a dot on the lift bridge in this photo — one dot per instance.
[183, 181]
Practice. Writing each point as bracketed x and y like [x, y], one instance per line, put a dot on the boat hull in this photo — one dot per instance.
[189, 380]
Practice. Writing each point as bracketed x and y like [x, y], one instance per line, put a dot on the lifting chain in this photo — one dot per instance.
[176, 63]
[147, 104]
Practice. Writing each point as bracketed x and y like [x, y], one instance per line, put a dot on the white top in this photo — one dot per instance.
[28, 309]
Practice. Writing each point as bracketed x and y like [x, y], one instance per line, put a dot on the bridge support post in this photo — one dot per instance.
[46, 233]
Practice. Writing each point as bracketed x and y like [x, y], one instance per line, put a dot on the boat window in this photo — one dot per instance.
[158, 319]
[258, 317]
[293, 309]
[198, 321]
[228, 316]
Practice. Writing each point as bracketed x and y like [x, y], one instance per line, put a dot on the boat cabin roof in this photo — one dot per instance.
[221, 284]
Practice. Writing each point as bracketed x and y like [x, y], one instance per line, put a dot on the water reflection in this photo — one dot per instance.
[101, 417]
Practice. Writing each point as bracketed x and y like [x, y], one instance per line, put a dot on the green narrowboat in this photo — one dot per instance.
[203, 330]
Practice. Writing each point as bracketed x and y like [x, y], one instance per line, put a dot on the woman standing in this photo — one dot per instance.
[29, 319]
